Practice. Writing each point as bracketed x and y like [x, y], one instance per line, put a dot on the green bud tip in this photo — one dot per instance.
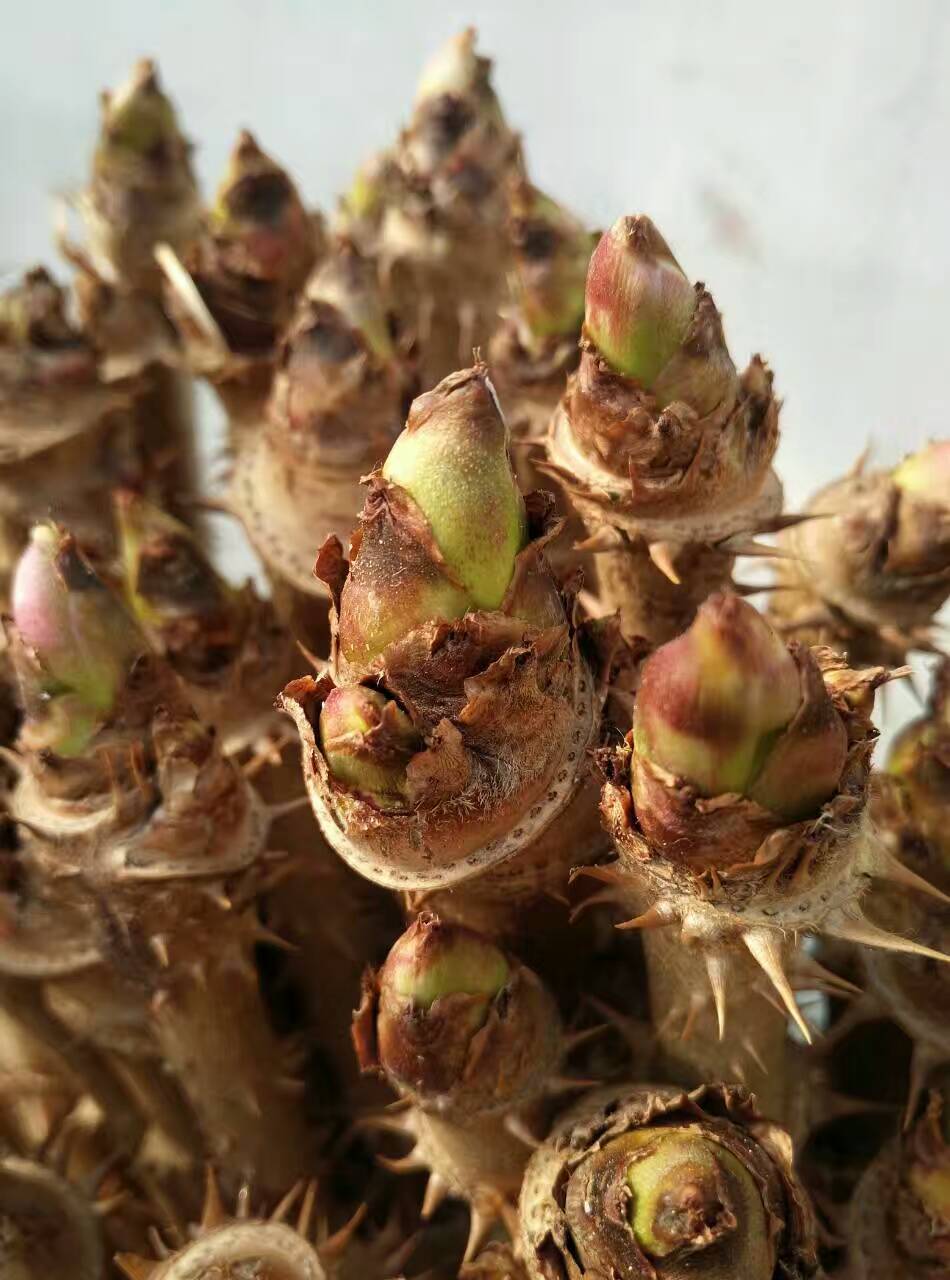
[452, 459]
[433, 960]
[81, 639]
[167, 576]
[367, 741]
[639, 303]
[689, 1193]
[138, 118]
[552, 252]
[714, 705]
[926, 475]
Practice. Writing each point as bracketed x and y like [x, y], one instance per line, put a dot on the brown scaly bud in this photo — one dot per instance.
[663, 447]
[143, 190]
[74, 646]
[899, 1221]
[871, 569]
[457, 616]
[727, 709]
[536, 345]
[442, 241]
[234, 288]
[368, 741]
[223, 642]
[666, 1185]
[63, 437]
[335, 408]
[471, 1038]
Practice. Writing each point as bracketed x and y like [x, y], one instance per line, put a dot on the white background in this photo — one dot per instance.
[795, 156]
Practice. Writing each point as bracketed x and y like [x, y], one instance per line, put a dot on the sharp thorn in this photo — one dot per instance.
[517, 1127]
[437, 1189]
[862, 931]
[765, 947]
[716, 966]
[895, 871]
[285, 1205]
[305, 1216]
[662, 553]
[655, 917]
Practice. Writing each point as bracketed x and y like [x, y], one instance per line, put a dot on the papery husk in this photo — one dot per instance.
[642, 477]
[48, 1230]
[160, 836]
[869, 573]
[509, 712]
[561, 1232]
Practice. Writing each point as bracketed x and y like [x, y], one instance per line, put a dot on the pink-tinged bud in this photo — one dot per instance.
[552, 252]
[727, 709]
[78, 643]
[258, 218]
[138, 122]
[925, 476]
[368, 740]
[639, 302]
[452, 459]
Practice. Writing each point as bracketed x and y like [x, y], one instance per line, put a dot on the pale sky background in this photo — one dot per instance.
[795, 156]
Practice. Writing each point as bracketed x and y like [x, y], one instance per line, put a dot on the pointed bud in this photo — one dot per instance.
[552, 253]
[171, 588]
[926, 475]
[452, 459]
[639, 302]
[78, 644]
[725, 708]
[259, 219]
[368, 740]
[138, 122]
[348, 282]
[455, 69]
[689, 1194]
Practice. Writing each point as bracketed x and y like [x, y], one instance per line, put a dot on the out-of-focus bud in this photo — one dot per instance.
[552, 252]
[368, 740]
[259, 220]
[138, 122]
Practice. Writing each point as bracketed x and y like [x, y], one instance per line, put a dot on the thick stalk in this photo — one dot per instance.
[753, 1049]
[649, 602]
[19, 998]
[212, 1028]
